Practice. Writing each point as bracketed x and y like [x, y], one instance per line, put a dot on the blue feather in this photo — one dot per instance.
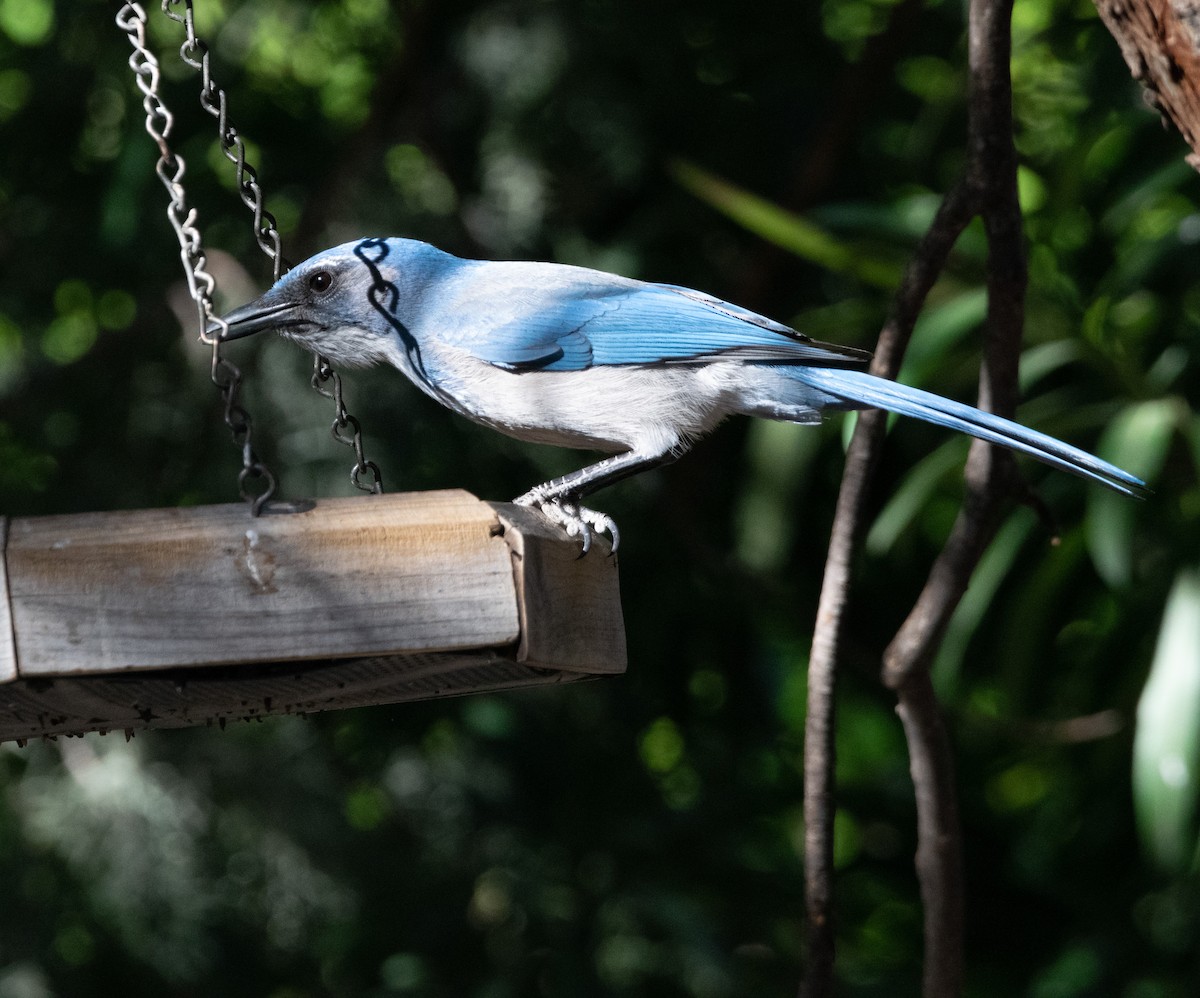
[560, 318]
[566, 355]
[866, 390]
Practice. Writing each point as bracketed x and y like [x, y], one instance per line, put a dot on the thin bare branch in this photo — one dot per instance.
[988, 189]
[922, 272]
[991, 480]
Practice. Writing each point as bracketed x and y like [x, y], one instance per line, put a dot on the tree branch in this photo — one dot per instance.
[991, 479]
[988, 189]
[920, 275]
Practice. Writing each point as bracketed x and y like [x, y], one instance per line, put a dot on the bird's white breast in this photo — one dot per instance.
[611, 408]
[606, 408]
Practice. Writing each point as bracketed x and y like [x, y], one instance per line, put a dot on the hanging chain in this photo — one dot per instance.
[328, 382]
[266, 233]
[323, 373]
[170, 169]
[212, 98]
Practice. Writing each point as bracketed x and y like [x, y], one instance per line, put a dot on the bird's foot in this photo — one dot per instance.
[577, 521]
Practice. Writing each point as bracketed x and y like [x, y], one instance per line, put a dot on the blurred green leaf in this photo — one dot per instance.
[1166, 747]
[989, 575]
[913, 492]
[779, 458]
[15, 90]
[784, 228]
[847, 839]
[21, 466]
[1018, 787]
[662, 746]
[1039, 361]
[944, 323]
[1136, 440]
[1076, 972]
[27, 22]
[1031, 190]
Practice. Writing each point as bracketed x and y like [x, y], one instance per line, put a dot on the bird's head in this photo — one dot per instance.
[348, 303]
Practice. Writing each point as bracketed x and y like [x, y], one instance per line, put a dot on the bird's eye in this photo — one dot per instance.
[321, 281]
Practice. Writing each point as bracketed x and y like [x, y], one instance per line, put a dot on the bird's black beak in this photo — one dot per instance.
[253, 317]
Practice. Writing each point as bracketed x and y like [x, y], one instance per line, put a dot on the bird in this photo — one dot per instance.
[559, 354]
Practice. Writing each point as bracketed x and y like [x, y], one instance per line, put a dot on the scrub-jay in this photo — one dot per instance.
[564, 355]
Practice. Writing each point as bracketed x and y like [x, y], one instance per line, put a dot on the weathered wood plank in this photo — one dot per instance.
[8, 651]
[570, 616]
[178, 698]
[208, 585]
[168, 618]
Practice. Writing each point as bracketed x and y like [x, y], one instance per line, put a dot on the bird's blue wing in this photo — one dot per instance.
[664, 324]
[592, 319]
[541, 342]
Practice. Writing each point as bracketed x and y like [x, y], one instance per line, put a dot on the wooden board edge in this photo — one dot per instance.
[569, 607]
[8, 640]
[438, 548]
[72, 706]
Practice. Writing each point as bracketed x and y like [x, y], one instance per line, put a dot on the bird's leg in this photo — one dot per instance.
[558, 499]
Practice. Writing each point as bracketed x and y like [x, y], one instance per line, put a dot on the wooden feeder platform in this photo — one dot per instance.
[176, 617]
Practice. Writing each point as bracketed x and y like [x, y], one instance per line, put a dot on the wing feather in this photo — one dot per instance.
[554, 318]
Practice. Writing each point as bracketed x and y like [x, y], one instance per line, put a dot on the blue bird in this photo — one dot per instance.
[580, 358]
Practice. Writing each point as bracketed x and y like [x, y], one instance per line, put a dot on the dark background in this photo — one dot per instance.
[639, 836]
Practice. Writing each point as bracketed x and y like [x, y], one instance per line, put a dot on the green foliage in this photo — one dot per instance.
[640, 836]
[1166, 750]
[785, 229]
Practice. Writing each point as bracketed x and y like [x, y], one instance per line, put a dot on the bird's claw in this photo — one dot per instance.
[577, 521]
[602, 523]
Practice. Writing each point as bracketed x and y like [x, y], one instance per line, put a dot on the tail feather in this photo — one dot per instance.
[866, 390]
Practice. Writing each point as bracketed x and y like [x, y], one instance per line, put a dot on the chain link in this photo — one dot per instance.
[324, 375]
[195, 53]
[170, 169]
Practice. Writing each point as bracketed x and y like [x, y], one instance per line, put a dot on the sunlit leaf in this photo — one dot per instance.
[1031, 190]
[1039, 361]
[1166, 747]
[989, 575]
[784, 228]
[897, 517]
[779, 456]
[1171, 363]
[27, 22]
[941, 326]
[1136, 440]
[662, 746]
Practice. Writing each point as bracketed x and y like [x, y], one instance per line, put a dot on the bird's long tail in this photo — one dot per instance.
[861, 389]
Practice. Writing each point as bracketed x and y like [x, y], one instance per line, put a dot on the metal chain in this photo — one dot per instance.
[170, 169]
[266, 233]
[212, 98]
[324, 374]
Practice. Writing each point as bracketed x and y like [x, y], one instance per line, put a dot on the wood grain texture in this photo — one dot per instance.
[8, 651]
[1158, 39]
[210, 585]
[169, 618]
[217, 695]
[570, 606]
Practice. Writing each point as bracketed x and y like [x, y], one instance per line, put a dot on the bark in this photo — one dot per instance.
[987, 190]
[1160, 40]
